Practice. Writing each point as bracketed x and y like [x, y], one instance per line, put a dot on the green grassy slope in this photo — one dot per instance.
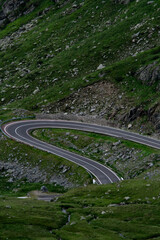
[128, 210]
[69, 42]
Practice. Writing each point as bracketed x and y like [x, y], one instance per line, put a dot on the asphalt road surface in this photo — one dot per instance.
[19, 131]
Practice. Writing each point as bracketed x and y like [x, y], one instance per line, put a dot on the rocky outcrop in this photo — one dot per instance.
[134, 113]
[152, 115]
[12, 9]
[149, 74]
[3, 19]
[15, 171]
[9, 8]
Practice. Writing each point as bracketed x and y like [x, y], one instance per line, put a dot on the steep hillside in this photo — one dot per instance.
[94, 61]
[49, 55]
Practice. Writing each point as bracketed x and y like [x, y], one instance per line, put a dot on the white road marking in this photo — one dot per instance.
[78, 126]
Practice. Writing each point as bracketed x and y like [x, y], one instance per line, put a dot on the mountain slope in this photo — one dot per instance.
[51, 53]
[94, 61]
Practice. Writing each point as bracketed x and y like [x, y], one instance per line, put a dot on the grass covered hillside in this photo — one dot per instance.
[129, 210]
[92, 61]
[64, 46]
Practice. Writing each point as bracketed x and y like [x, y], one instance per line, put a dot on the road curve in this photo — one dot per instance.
[19, 131]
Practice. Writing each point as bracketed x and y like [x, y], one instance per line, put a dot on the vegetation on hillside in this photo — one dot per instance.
[59, 49]
[128, 159]
[63, 46]
[127, 210]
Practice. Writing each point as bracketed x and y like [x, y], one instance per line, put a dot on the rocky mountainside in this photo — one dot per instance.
[13, 9]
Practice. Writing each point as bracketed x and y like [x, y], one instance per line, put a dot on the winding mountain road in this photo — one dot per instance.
[19, 131]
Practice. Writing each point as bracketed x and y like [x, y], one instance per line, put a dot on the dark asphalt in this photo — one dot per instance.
[19, 131]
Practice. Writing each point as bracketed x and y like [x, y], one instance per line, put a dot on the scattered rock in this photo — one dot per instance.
[113, 205]
[94, 181]
[126, 198]
[101, 66]
[129, 126]
[117, 143]
[44, 189]
[150, 2]
[8, 206]
[36, 90]
[123, 1]
[72, 223]
[148, 185]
